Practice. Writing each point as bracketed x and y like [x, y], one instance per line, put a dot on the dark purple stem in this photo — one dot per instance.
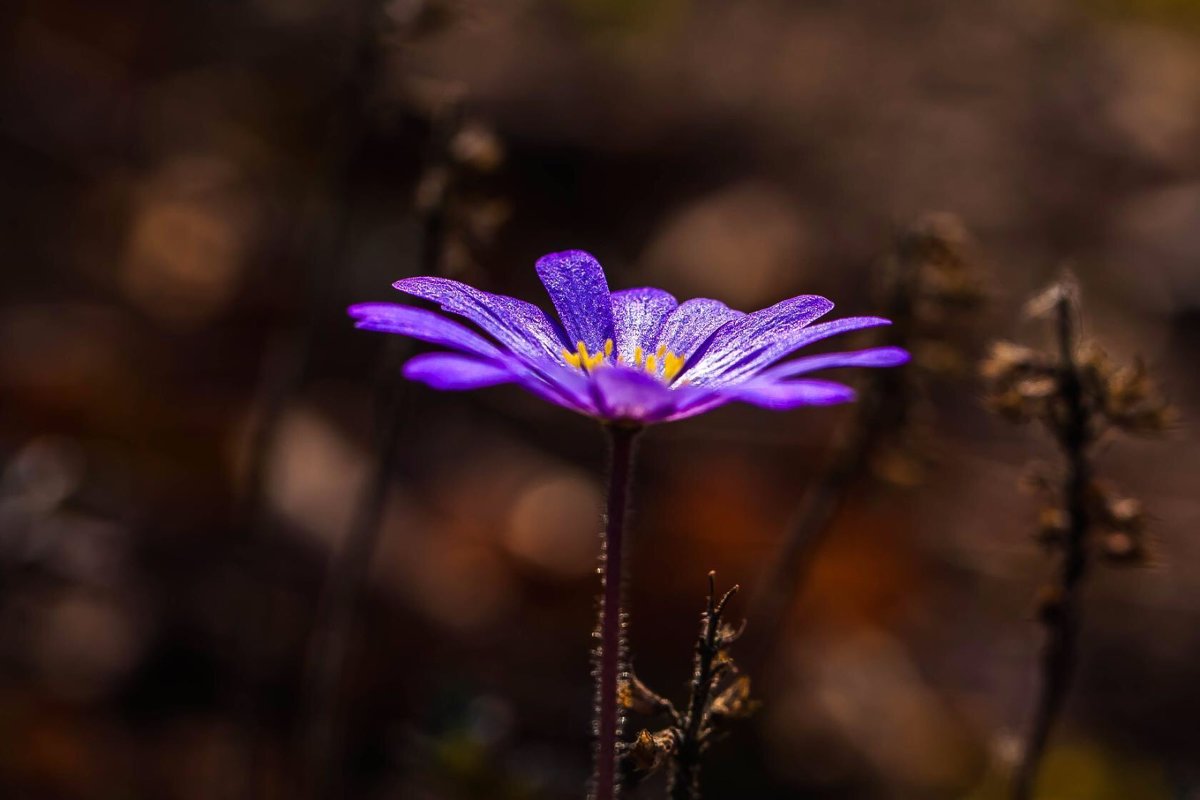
[1062, 619]
[610, 660]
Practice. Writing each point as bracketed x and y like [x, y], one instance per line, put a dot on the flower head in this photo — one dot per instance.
[635, 356]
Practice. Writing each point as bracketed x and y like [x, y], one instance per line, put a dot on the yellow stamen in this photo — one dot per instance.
[585, 358]
[662, 359]
[671, 366]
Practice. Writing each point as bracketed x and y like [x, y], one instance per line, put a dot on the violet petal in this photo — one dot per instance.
[783, 395]
[733, 370]
[576, 284]
[638, 315]
[453, 372]
[419, 323]
[872, 357]
[689, 327]
[768, 328]
[521, 327]
[632, 395]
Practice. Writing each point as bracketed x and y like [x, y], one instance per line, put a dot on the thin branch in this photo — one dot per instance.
[883, 406]
[349, 568]
[1061, 614]
[685, 779]
[319, 240]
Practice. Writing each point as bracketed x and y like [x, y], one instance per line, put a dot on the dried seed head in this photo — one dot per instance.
[650, 752]
[734, 701]
[727, 634]
[1005, 360]
[476, 146]
[640, 698]
[1126, 514]
[1052, 526]
[1021, 383]
[935, 269]
[1123, 548]
[1037, 388]
[432, 190]
[722, 662]
[484, 218]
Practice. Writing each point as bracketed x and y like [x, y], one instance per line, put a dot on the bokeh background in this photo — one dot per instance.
[195, 443]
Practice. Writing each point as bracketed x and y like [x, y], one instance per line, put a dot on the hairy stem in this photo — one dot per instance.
[1062, 619]
[610, 658]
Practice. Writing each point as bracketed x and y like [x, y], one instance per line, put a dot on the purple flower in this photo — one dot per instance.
[636, 356]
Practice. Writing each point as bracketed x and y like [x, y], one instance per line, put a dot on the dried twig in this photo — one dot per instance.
[1060, 613]
[443, 214]
[1079, 395]
[717, 694]
[930, 286]
[711, 664]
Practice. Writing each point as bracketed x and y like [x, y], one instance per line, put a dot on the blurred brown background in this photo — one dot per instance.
[193, 192]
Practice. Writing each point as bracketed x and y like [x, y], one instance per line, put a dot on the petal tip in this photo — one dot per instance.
[567, 255]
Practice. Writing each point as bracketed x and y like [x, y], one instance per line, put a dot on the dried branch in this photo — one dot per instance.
[444, 214]
[712, 663]
[931, 290]
[718, 694]
[1078, 395]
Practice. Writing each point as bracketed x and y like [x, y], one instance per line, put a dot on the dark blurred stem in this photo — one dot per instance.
[1061, 617]
[685, 781]
[319, 232]
[804, 535]
[610, 660]
[348, 573]
[883, 406]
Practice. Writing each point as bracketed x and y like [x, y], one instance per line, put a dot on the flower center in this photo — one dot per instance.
[661, 363]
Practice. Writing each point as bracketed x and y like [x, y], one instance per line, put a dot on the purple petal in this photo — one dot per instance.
[521, 327]
[564, 387]
[773, 394]
[632, 395]
[421, 324]
[452, 372]
[690, 325]
[733, 370]
[576, 284]
[766, 330]
[782, 395]
[638, 315]
[873, 357]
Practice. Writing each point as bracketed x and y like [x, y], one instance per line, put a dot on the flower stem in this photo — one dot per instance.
[610, 658]
[1061, 618]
